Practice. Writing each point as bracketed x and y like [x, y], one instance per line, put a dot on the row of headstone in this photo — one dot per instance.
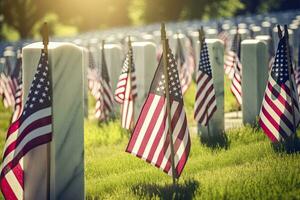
[48, 173]
[254, 57]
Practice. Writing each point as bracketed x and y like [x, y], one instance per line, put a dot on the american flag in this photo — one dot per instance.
[33, 128]
[126, 91]
[232, 56]
[150, 140]
[279, 115]
[225, 37]
[297, 73]
[185, 75]
[8, 83]
[236, 81]
[191, 58]
[104, 98]
[93, 81]
[18, 94]
[205, 102]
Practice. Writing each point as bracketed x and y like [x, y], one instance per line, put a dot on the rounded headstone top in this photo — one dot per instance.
[263, 37]
[179, 36]
[2, 60]
[266, 24]
[256, 28]
[51, 45]
[226, 27]
[9, 53]
[242, 26]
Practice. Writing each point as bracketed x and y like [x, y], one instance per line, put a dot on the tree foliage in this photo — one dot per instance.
[24, 15]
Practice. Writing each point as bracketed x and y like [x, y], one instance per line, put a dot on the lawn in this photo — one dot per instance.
[248, 168]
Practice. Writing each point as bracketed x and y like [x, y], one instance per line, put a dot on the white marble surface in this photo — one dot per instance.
[254, 58]
[144, 54]
[67, 147]
[114, 59]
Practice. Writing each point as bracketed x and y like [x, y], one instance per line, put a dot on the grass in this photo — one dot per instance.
[249, 168]
[230, 102]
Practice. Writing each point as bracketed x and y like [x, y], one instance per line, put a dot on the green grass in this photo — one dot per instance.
[230, 103]
[248, 169]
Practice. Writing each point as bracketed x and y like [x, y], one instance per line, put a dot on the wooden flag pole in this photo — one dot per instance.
[164, 41]
[286, 33]
[129, 76]
[102, 46]
[201, 40]
[45, 35]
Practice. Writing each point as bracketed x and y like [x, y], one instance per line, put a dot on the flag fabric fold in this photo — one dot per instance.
[126, 91]
[150, 139]
[236, 68]
[205, 102]
[31, 129]
[19, 90]
[104, 96]
[185, 72]
[279, 115]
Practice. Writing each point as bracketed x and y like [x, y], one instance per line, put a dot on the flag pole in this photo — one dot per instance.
[238, 51]
[290, 74]
[201, 40]
[101, 79]
[165, 62]
[45, 35]
[129, 76]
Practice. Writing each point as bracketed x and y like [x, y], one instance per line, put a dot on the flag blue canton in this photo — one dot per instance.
[280, 69]
[40, 92]
[204, 64]
[158, 85]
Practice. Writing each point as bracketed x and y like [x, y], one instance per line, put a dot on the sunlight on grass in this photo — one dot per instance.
[248, 169]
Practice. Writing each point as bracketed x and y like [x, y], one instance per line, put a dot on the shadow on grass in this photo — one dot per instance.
[215, 142]
[289, 146]
[180, 191]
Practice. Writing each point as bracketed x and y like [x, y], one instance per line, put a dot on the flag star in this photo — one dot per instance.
[44, 94]
[42, 80]
[36, 92]
[38, 86]
[46, 88]
[33, 98]
[31, 106]
[44, 74]
[41, 100]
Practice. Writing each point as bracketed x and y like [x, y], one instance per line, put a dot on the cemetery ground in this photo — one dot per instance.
[247, 167]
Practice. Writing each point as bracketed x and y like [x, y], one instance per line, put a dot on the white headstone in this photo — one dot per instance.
[66, 151]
